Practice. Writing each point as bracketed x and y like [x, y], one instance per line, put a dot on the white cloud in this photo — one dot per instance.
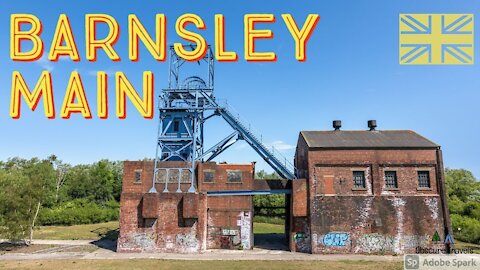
[281, 145]
[45, 63]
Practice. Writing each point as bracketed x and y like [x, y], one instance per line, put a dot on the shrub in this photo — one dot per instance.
[466, 229]
[79, 211]
[270, 220]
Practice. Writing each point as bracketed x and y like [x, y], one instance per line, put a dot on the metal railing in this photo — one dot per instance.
[273, 153]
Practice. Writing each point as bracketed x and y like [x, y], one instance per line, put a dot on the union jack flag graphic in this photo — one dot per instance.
[436, 39]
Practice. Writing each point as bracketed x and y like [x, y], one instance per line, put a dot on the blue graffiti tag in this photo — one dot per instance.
[336, 239]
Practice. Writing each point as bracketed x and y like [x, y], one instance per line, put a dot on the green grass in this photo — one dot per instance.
[268, 228]
[193, 265]
[271, 220]
[461, 245]
[110, 230]
[78, 232]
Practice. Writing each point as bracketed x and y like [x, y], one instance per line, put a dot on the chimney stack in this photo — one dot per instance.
[337, 124]
[372, 124]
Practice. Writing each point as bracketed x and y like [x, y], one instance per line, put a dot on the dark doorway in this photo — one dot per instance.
[271, 221]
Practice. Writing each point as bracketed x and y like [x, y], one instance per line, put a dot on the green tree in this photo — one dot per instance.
[462, 184]
[261, 174]
[463, 192]
[26, 185]
[99, 182]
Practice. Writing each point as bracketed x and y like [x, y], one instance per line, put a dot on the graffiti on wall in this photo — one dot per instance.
[144, 241]
[335, 239]
[432, 204]
[377, 243]
[225, 242]
[229, 232]
[299, 236]
[245, 224]
[187, 241]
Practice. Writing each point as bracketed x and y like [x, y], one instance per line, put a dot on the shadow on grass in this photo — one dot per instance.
[108, 238]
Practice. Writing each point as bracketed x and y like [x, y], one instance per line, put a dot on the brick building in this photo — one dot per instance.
[368, 192]
[173, 220]
[356, 192]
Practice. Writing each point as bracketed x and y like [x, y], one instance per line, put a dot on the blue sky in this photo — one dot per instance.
[352, 73]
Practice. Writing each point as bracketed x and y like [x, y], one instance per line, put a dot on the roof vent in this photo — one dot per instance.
[372, 124]
[337, 124]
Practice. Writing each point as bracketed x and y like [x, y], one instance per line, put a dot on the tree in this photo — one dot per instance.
[261, 174]
[61, 170]
[25, 186]
[99, 182]
[463, 192]
[462, 184]
[15, 205]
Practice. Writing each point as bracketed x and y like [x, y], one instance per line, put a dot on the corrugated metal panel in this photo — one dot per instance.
[366, 139]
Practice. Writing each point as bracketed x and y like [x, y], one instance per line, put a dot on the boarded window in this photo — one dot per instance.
[138, 176]
[208, 176]
[234, 176]
[161, 176]
[359, 179]
[173, 175]
[185, 176]
[424, 179]
[391, 179]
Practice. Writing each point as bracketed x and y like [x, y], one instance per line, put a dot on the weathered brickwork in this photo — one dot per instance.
[373, 217]
[374, 199]
[185, 222]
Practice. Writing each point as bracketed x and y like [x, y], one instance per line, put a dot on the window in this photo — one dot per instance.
[391, 179]
[423, 179]
[234, 176]
[176, 126]
[138, 176]
[359, 179]
[161, 176]
[208, 176]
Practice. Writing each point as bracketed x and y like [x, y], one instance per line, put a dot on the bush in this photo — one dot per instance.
[270, 220]
[472, 209]
[79, 211]
[455, 205]
[466, 229]
[269, 205]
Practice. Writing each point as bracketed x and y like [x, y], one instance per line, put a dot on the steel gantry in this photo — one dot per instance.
[184, 107]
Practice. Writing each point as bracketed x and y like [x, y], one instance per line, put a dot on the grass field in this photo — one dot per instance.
[192, 265]
[110, 230]
[78, 232]
[461, 245]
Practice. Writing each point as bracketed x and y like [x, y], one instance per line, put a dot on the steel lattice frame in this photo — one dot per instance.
[183, 107]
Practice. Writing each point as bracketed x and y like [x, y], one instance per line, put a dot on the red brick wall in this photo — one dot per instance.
[230, 222]
[230, 218]
[179, 222]
[220, 172]
[375, 224]
[344, 219]
[146, 169]
[170, 231]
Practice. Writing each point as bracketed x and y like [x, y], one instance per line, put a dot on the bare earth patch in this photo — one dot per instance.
[161, 264]
[7, 248]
